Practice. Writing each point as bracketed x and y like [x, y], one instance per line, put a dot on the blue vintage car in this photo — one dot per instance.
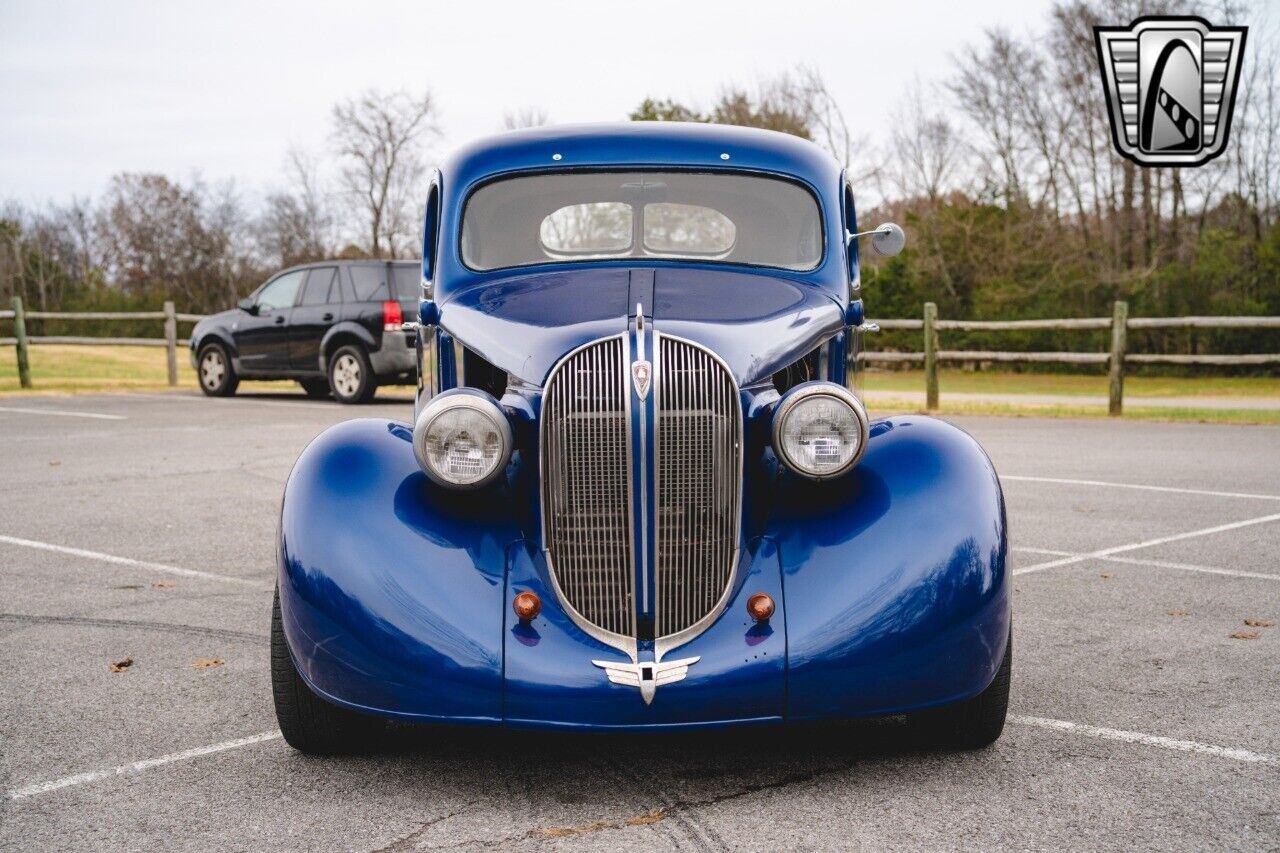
[640, 490]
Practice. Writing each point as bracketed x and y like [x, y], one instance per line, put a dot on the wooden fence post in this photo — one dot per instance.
[930, 357]
[1119, 327]
[171, 341]
[20, 332]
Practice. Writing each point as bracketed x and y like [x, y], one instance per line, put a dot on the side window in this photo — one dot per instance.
[281, 292]
[407, 282]
[430, 228]
[370, 281]
[320, 288]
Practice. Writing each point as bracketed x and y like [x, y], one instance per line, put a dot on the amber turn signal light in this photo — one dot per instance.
[527, 606]
[760, 607]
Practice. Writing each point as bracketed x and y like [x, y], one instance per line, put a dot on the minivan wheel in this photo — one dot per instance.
[317, 389]
[351, 376]
[213, 368]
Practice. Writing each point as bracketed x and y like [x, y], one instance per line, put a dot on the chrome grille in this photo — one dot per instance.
[586, 484]
[698, 477]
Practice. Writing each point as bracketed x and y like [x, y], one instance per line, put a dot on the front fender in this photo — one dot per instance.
[896, 589]
[391, 589]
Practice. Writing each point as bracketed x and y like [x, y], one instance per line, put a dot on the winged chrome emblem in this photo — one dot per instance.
[1171, 85]
[647, 675]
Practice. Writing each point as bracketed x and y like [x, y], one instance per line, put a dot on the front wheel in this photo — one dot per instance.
[351, 375]
[308, 722]
[217, 376]
[973, 723]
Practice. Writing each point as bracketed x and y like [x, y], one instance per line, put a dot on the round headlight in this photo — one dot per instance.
[819, 430]
[462, 439]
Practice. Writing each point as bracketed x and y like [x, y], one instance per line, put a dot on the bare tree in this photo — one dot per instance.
[296, 224]
[524, 117]
[378, 137]
[927, 148]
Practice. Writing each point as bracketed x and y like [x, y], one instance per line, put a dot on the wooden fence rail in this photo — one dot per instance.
[23, 341]
[1119, 323]
[929, 324]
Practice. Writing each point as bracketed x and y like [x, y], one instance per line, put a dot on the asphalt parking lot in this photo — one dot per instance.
[142, 527]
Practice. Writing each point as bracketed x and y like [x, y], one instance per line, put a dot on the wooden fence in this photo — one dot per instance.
[929, 324]
[1119, 323]
[22, 340]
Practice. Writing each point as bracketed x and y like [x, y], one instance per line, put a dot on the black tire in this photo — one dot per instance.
[351, 376]
[973, 723]
[215, 372]
[317, 389]
[311, 724]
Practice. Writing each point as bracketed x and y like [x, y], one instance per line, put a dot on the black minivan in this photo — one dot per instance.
[335, 326]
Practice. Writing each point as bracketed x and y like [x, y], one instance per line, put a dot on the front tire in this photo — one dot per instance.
[973, 723]
[309, 723]
[214, 370]
[351, 375]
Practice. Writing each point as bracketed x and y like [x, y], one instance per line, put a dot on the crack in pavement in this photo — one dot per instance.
[86, 621]
[406, 842]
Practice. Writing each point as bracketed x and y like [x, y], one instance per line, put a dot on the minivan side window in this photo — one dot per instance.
[320, 288]
[281, 292]
[370, 281]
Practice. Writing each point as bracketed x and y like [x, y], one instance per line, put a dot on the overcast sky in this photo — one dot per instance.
[224, 88]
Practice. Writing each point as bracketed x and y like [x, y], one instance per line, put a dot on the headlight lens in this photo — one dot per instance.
[462, 439]
[819, 430]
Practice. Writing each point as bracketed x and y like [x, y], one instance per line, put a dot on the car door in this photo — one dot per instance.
[262, 337]
[318, 308]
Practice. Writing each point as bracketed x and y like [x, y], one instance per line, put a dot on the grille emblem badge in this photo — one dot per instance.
[642, 375]
[648, 675]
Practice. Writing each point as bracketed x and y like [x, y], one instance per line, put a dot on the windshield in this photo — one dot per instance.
[705, 216]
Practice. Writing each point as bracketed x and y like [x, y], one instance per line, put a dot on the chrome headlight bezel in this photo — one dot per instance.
[447, 401]
[786, 406]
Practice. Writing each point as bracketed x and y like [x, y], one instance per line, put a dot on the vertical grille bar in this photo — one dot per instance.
[585, 499]
[698, 429]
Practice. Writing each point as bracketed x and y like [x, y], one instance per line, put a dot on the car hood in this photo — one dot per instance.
[757, 323]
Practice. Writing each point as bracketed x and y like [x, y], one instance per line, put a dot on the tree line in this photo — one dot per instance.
[1004, 175]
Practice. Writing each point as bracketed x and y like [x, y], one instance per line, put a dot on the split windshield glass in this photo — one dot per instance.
[578, 216]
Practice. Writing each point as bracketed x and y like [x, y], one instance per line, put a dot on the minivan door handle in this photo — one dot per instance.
[327, 317]
[280, 320]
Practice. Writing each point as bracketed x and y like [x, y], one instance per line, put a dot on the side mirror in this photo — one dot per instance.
[247, 304]
[888, 240]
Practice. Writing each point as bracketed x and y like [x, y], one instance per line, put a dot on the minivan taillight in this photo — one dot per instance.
[392, 318]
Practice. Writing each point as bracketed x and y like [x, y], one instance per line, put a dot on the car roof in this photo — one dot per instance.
[646, 144]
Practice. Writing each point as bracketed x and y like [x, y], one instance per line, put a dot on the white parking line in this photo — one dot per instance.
[1159, 564]
[62, 413]
[126, 561]
[1119, 549]
[1228, 752]
[138, 766]
[1142, 486]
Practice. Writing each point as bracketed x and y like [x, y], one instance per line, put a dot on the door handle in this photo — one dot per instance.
[280, 320]
[327, 317]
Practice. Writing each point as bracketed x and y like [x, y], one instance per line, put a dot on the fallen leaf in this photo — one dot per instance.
[130, 586]
[121, 665]
[1259, 623]
[1245, 635]
[1106, 576]
[164, 584]
[208, 663]
[55, 462]
[1179, 612]
[646, 818]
